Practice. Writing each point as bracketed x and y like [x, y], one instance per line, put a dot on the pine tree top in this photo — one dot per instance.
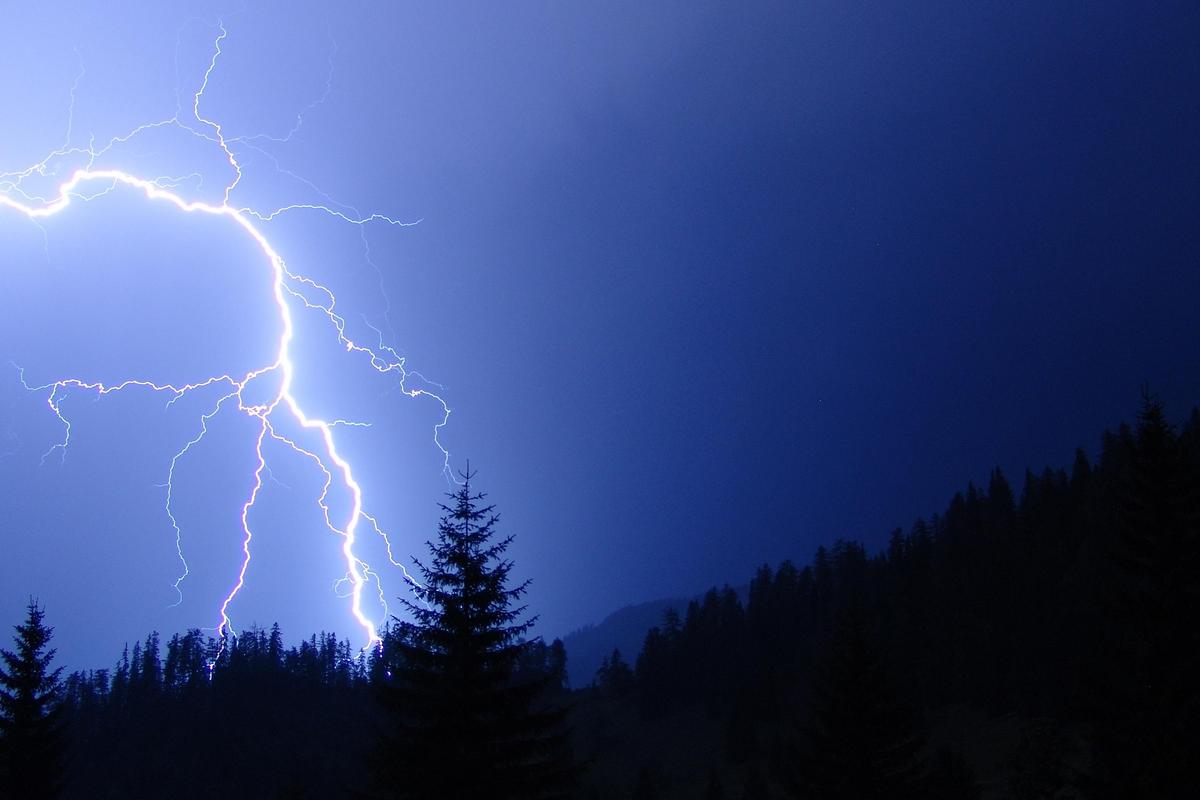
[26, 673]
[464, 587]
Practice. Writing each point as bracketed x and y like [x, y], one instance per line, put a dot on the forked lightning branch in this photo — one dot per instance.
[96, 175]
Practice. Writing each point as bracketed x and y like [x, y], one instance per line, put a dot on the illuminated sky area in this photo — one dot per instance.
[703, 286]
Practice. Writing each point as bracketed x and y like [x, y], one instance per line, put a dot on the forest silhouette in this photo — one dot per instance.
[1031, 644]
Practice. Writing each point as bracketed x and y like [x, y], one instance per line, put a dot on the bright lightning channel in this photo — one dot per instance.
[91, 182]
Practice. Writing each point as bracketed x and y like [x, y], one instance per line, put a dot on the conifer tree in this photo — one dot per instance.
[614, 678]
[31, 741]
[1147, 731]
[464, 726]
[863, 742]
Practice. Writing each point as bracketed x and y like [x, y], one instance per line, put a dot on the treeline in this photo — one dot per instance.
[1031, 644]
[245, 716]
[1040, 645]
[458, 701]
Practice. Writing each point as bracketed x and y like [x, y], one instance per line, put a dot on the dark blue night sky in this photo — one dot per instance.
[707, 285]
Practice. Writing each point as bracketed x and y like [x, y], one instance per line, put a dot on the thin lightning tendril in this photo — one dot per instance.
[93, 181]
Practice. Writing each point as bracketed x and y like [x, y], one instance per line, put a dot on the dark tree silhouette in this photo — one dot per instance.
[466, 726]
[1147, 729]
[31, 740]
[863, 742]
[615, 678]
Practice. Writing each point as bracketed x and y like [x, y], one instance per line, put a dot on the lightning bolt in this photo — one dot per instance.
[291, 292]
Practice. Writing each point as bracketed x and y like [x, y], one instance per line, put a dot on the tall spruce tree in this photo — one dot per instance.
[864, 743]
[31, 740]
[465, 726]
[1146, 732]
